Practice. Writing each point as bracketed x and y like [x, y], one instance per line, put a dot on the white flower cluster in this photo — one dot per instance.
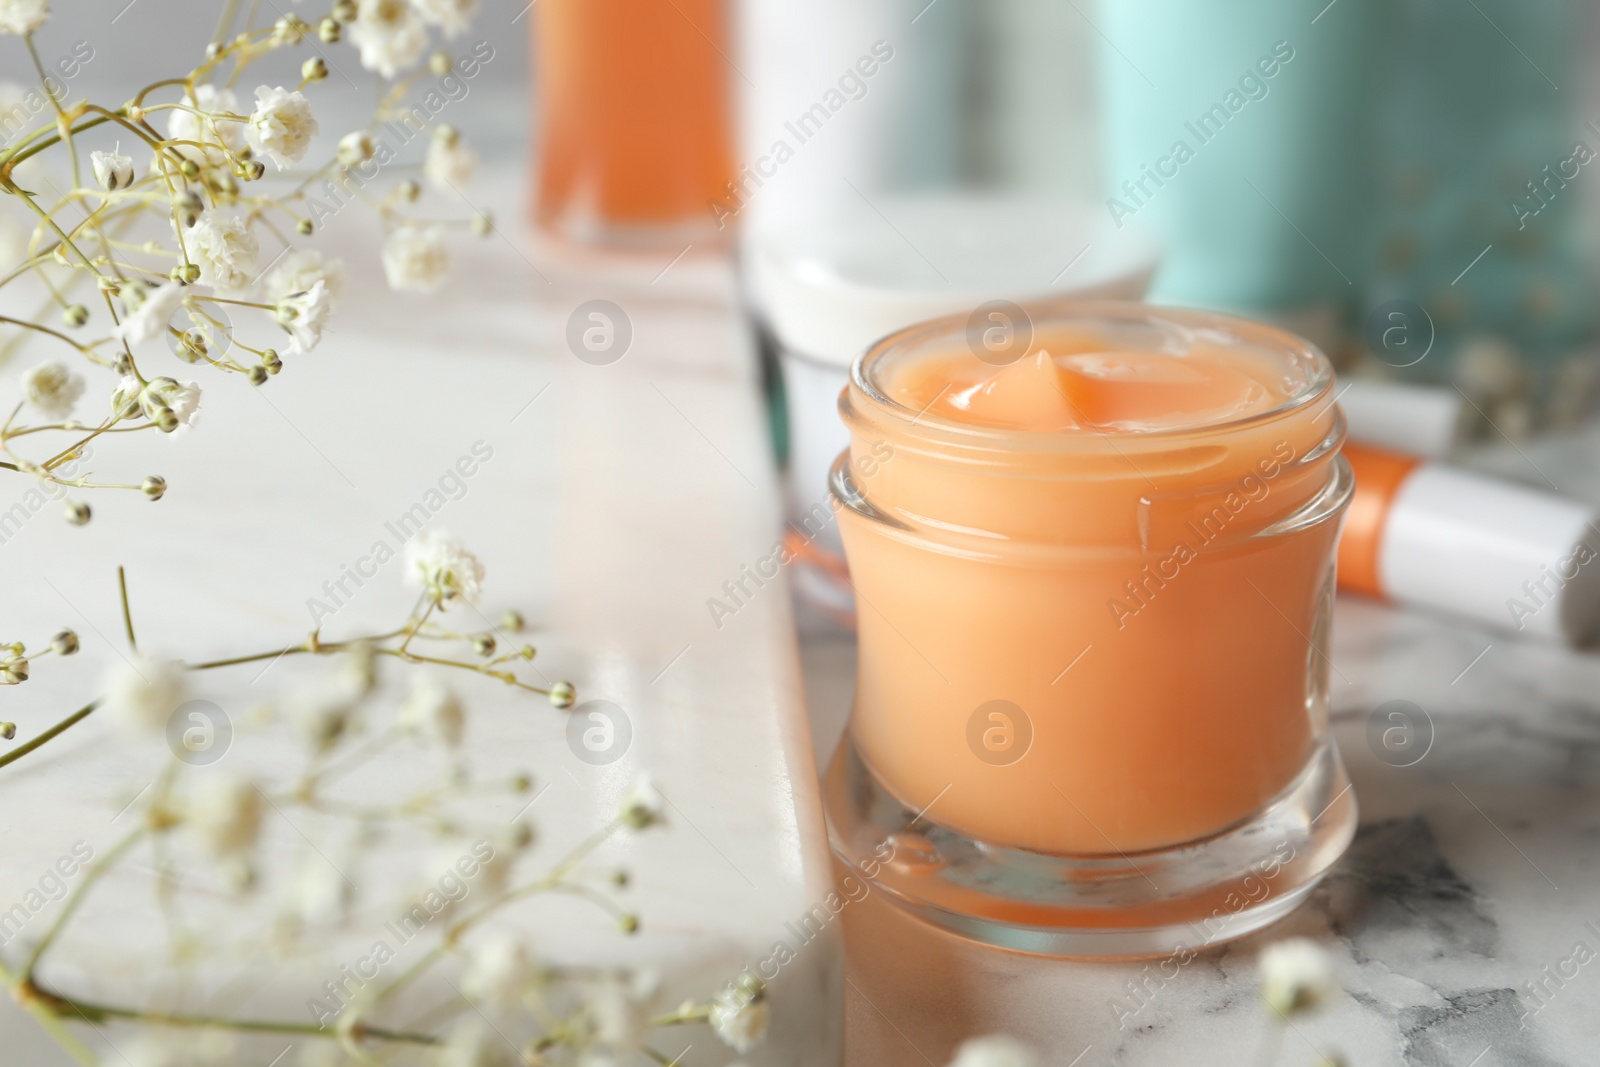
[442, 568]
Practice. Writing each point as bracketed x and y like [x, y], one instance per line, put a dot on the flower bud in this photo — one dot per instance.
[271, 360]
[629, 923]
[409, 190]
[527, 652]
[305, 227]
[154, 487]
[328, 30]
[77, 512]
[482, 224]
[483, 644]
[166, 421]
[112, 170]
[177, 274]
[252, 170]
[193, 346]
[8, 730]
[64, 643]
[75, 315]
[439, 64]
[186, 206]
[191, 272]
[314, 69]
[189, 169]
[344, 11]
[563, 695]
[446, 135]
[258, 375]
[513, 621]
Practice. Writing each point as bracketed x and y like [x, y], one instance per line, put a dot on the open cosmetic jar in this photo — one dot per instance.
[1094, 574]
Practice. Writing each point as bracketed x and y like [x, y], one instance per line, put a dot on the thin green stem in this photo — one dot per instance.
[59, 728]
[127, 612]
[79, 892]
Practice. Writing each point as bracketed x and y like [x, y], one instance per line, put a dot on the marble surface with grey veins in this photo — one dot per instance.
[1465, 918]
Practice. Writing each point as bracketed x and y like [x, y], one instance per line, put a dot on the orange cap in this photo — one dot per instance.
[1379, 475]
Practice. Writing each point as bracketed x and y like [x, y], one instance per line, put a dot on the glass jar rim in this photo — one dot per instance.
[1318, 379]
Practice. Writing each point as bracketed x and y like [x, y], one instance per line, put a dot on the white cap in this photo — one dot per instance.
[1512, 557]
[832, 286]
[1423, 420]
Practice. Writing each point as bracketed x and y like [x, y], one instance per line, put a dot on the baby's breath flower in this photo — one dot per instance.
[225, 250]
[619, 1008]
[474, 1044]
[994, 1051]
[562, 694]
[499, 971]
[450, 163]
[643, 804]
[140, 694]
[433, 713]
[64, 643]
[76, 512]
[112, 170]
[317, 892]
[1296, 974]
[224, 812]
[154, 487]
[22, 17]
[150, 310]
[355, 148]
[74, 314]
[210, 129]
[414, 259]
[443, 568]
[301, 269]
[303, 316]
[389, 34]
[451, 16]
[52, 388]
[168, 402]
[740, 1013]
[282, 125]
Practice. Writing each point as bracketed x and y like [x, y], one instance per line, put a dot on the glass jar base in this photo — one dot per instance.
[1165, 902]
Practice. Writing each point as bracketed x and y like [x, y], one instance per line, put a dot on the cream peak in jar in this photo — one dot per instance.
[1094, 582]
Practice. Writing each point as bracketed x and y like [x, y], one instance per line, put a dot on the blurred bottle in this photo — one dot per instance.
[635, 141]
[1241, 132]
[1483, 165]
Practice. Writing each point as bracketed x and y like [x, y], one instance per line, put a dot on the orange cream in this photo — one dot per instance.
[1093, 584]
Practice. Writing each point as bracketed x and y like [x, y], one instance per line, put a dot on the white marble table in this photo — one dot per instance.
[618, 499]
[1475, 873]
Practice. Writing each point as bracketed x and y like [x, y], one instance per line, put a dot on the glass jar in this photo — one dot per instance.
[1091, 707]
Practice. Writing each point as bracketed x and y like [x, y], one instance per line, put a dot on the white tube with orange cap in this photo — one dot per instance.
[1434, 536]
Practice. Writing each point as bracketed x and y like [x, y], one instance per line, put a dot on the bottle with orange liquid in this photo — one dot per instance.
[635, 143]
